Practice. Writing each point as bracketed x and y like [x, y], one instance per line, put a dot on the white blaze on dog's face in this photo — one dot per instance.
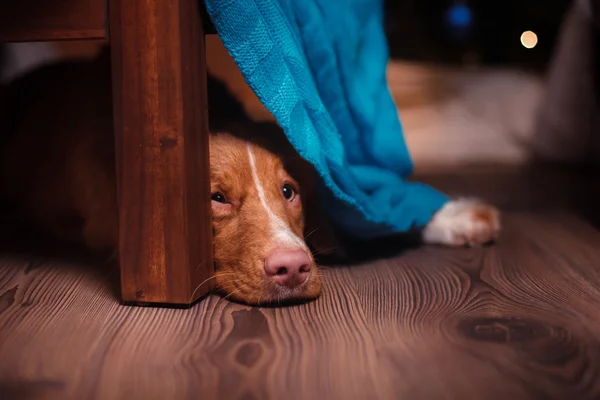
[258, 225]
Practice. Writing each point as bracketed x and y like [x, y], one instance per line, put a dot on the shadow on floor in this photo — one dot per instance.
[20, 238]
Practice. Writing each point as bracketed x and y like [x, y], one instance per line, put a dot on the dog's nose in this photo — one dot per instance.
[289, 268]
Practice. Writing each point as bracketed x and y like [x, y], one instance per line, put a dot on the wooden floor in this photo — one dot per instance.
[516, 320]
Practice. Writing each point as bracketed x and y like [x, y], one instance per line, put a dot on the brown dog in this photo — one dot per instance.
[58, 163]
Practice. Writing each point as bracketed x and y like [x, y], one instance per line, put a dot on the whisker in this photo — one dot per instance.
[311, 232]
[325, 250]
[200, 264]
[208, 279]
[229, 295]
[198, 287]
[224, 289]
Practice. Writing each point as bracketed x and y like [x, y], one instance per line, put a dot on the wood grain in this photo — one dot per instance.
[32, 20]
[514, 320]
[161, 127]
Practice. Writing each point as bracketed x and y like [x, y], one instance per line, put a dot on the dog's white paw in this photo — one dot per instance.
[463, 222]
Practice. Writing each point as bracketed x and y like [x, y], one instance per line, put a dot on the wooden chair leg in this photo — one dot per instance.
[161, 128]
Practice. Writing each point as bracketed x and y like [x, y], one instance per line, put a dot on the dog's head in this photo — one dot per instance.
[264, 215]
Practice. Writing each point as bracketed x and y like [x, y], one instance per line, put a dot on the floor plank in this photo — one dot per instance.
[514, 320]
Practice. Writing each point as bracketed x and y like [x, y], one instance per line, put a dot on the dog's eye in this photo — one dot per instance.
[288, 192]
[218, 197]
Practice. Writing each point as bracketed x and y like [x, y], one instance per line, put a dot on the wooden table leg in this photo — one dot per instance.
[161, 129]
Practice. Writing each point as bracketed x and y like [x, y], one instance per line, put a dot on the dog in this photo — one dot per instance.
[58, 163]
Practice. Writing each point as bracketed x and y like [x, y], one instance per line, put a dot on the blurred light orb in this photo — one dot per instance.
[529, 39]
[459, 15]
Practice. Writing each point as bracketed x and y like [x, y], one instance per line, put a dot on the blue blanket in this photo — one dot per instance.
[319, 66]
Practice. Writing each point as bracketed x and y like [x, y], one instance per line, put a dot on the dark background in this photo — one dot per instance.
[418, 30]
